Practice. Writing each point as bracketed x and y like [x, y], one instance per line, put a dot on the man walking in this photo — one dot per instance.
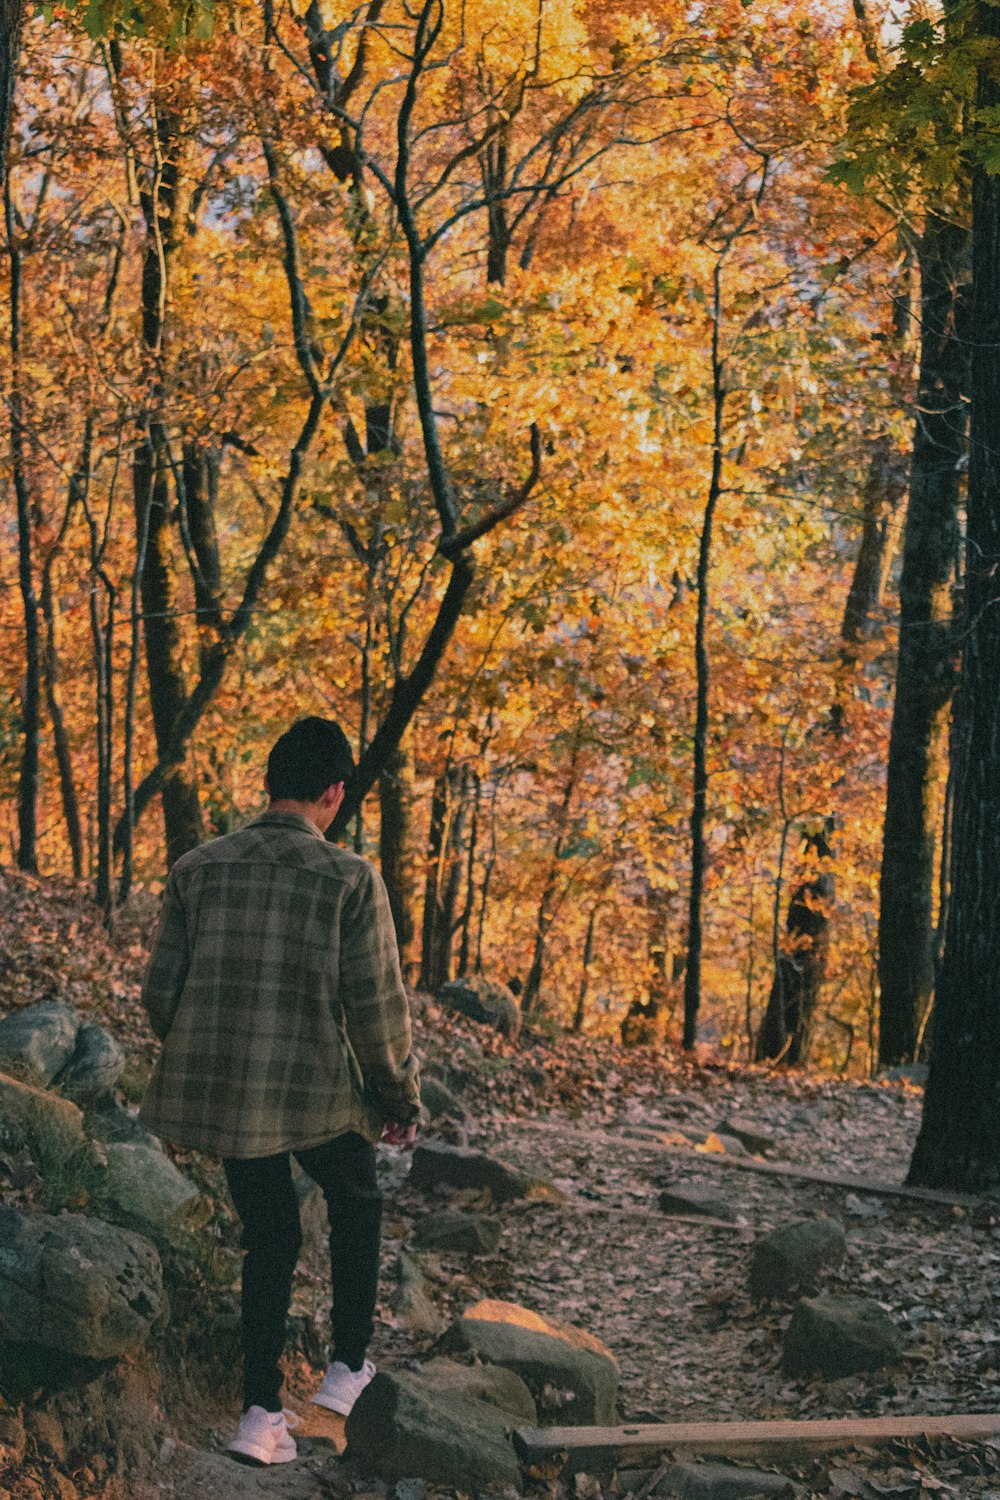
[274, 986]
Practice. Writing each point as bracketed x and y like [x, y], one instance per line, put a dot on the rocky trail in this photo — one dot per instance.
[623, 1208]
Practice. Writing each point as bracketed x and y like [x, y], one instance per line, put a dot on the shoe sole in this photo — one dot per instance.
[329, 1404]
[258, 1458]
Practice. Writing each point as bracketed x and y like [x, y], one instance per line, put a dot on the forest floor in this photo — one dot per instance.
[608, 1128]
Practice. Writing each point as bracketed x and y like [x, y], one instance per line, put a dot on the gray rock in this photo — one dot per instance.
[111, 1122]
[143, 1190]
[838, 1336]
[794, 1255]
[453, 1166]
[94, 1068]
[32, 1118]
[472, 1234]
[689, 1198]
[549, 1357]
[482, 1000]
[40, 1037]
[916, 1073]
[493, 1384]
[411, 1301]
[732, 1143]
[402, 1428]
[438, 1100]
[724, 1482]
[748, 1132]
[75, 1285]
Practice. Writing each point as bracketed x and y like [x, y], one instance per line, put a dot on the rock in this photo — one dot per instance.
[472, 1234]
[94, 1068]
[40, 1037]
[143, 1190]
[724, 1482]
[747, 1132]
[13, 1438]
[915, 1073]
[108, 1122]
[453, 1166]
[411, 1301]
[793, 1256]
[402, 1428]
[730, 1144]
[493, 1384]
[482, 1000]
[46, 1432]
[438, 1100]
[689, 1198]
[544, 1354]
[31, 1117]
[838, 1336]
[76, 1285]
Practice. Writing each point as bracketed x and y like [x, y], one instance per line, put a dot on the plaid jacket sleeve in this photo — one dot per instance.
[376, 1013]
[168, 962]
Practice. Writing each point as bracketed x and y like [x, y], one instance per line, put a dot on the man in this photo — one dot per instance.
[274, 986]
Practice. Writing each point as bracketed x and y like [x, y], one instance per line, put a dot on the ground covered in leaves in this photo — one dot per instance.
[608, 1129]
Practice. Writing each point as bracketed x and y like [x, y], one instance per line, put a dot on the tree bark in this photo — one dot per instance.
[925, 671]
[396, 844]
[959, 1141]
[12, 14]
[31, 692]
[786, 1030]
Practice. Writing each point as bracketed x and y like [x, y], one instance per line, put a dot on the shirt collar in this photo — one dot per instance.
[289, 820]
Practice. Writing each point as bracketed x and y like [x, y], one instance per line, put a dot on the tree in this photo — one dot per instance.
[959, 1141]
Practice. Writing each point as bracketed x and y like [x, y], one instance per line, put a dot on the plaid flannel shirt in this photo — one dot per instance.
[274, 986]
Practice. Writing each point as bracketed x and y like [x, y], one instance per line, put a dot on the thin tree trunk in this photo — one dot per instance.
[27, 790]
[925, 671]
[692, 973]
[530, 1004]
[53, 691]
[12, 14]
[786, 1030]
[465, 921]
[958, 1146]
[588, 958]
[396, 845]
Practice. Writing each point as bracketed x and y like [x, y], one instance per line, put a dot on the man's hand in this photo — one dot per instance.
[395, 1134]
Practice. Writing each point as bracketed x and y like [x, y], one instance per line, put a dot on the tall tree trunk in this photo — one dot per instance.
[472, 846]
[885, 485]
[925, 672]
[786, 1030]
[444, 873]
[31, 693]
[396, 845]
[12, 14]
[588, 958]
[959, 1141]
[530, 1000]
[57, 718]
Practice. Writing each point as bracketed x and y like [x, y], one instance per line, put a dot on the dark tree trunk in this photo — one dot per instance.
[444, 876]
[547, 906]
[925, 671]
[786, 1030]
[959, 1141]
[53, 696]
[884, 489]
[396, 845]
[588, 958]
[472, 846]
[31, 692]
[12, 14]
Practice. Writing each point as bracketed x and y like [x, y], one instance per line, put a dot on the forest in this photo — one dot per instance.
[594, 409]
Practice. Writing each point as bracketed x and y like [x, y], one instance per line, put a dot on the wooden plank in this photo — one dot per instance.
[570, 1450]
[874, 1186]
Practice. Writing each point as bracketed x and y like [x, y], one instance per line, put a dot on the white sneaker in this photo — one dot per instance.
[264, 1438]
[342, 1386]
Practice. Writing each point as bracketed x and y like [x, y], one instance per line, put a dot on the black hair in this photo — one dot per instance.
[308, 758]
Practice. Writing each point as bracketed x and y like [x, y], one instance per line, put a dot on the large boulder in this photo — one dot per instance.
[483, 1000]
[75, 1286]
[572, 1375]
[439, 1101]
[95, 1066]
[411, 1301]
[143, 1190]
[493, 1384]
[401, 1427]
[792, 1256]
[436, 1164]
[470, 1234]
[41, 1038]
[108, 1121]
[33, 1119]
[838, 1336]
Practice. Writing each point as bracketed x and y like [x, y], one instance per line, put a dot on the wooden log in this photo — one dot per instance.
[600, 1450]
[874, 1186]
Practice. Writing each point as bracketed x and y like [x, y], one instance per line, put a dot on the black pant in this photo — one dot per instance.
[264, 1195]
